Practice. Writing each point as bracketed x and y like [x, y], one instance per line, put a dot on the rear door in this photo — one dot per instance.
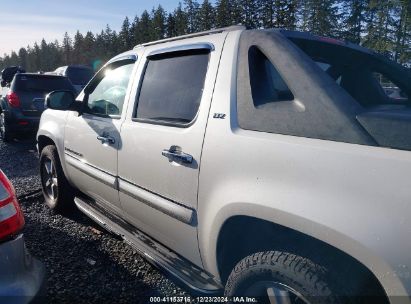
[92, 140]
[162, 141]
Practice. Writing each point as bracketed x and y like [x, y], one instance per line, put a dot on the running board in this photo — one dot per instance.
[180, 269]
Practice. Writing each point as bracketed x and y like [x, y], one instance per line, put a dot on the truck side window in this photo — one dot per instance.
[107, 97]
[172, 87]
[267, 85]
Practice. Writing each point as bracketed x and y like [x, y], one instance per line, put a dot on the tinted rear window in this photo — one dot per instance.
[40, 83]
[79, 76]
[369, 78]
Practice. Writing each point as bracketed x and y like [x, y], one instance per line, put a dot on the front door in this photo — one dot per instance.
[163, 135]
[92, 140]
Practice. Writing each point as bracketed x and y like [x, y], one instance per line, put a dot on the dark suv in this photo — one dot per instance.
[79, 75]
[22, 105]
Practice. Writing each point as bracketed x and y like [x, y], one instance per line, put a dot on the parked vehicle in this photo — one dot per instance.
[8, 73]
[395, 93]
[79, 75]
[21, 275]
[22, 105]
[259, 162]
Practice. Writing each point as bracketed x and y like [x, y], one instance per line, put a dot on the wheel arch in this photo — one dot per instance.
[43, 140]
[243, 233]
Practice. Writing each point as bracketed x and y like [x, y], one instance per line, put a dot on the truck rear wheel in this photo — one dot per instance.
[279, 277]
[58, 193]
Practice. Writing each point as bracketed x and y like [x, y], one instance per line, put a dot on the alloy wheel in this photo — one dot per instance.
[49, 177]
[271, 292]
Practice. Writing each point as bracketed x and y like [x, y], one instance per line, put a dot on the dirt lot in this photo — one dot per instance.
[85, 264]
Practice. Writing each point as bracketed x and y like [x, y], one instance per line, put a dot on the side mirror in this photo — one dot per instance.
[61, 100]
[3, 83]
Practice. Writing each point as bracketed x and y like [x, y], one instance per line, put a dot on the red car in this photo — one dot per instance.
[21, 276]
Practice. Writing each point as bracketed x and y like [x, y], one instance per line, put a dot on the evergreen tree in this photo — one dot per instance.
[303, 14]
[181, 23]
[171, 26]
[402, 28]
[353, 19]
[249, 13]
[223, 13]
[78, 47]
[88, 53]
[44, 56]
[285, 14]
[136, 35]
[266, 13]
[22, 58]
[382, 26]
[67, 49]
[144, 27]
[323, 17]
[36, 57]
[14, 59]
[159, 23]
[206, 16]
[192, 14]
[55, 54]
[99, 51]
[379, 32]
[125, 36]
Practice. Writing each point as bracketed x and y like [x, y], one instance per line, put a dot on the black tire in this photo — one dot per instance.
[59, 195]
[280, 273]
[5, 133]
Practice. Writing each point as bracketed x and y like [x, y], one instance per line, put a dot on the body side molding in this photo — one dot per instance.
[173, 209]
[94, 172]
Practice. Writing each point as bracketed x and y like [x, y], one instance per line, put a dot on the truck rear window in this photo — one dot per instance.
[40, 83]
[369, 78]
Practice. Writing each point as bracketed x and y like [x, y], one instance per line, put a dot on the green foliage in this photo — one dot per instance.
[159, 23]
[224, 13]
[384, 26]
[206, 16]
[181, 21]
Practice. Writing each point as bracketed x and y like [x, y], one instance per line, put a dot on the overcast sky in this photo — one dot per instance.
[22, 22]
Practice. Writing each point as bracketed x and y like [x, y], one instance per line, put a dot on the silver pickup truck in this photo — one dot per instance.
[253, 163]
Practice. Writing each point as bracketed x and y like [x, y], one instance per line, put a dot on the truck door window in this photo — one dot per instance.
[107, 97]
[172, 88]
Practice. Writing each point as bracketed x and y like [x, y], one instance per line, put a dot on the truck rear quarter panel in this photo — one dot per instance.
[353, 197]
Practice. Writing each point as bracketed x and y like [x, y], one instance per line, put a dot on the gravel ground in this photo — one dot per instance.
[85, 264]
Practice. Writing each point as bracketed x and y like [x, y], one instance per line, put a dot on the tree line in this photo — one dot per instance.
[384, 26]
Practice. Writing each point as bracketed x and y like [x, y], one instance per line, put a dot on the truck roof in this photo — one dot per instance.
[210, 32]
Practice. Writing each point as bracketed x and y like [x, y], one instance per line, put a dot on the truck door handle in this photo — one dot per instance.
[177, 155]
[106, 139]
